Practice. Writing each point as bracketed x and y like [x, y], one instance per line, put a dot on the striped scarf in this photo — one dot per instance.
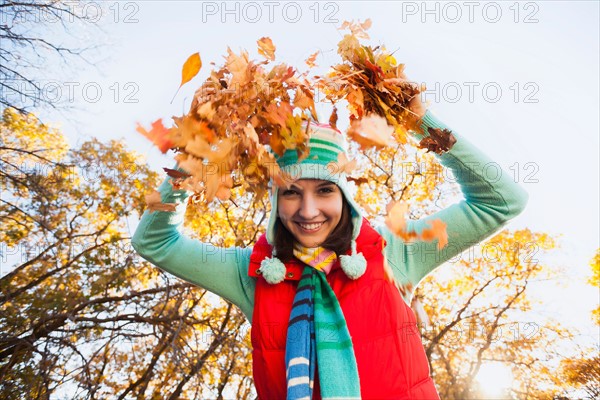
[317, 333]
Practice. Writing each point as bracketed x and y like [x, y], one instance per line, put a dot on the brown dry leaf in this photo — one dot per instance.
[224, 190]
[266, 48]
[154, 203]
[304, 99]
[238, 67]
[358, 181]
[439, 141]
[173, 173]
[333, 118]
[356, 103]
[371, 131]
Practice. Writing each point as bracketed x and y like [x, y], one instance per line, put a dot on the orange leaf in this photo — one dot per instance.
[158, 135]
[343, 165]
[238, 66]
[266, 48]
[437, 231]
[396, 218]
[190, 69]
[310, 61]
[371, 131]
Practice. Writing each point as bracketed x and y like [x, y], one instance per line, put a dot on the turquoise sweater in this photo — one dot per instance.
[489, 204]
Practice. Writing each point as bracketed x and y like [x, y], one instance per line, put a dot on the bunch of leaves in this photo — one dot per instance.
[245, 112]
[375, 87]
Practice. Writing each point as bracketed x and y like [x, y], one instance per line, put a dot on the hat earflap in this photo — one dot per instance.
[355, 265]
[272, 269]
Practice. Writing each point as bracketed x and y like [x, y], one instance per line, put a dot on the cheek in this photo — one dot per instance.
[334, 209]
[284, 209]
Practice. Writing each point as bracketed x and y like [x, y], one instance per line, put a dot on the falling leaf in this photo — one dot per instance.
[333, 118]
[266, 48]
[343, 165]
[154, 203]
[173, 173]
[439, 141]
[238, 67]
[310, 61]
[396, 218]
[359, 181]
[437, 231]
[190, 69]
[371, 131]
[158, 134]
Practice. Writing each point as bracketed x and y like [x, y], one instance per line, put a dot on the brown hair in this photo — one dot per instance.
[338, 240]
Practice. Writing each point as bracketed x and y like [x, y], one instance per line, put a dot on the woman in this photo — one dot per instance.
[326, 320]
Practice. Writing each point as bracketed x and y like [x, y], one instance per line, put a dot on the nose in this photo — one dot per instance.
[308, 208]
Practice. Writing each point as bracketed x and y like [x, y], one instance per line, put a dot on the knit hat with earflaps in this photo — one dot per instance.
[325, 145]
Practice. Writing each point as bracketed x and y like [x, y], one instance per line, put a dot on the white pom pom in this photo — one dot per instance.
[273, 270]
[354, 266]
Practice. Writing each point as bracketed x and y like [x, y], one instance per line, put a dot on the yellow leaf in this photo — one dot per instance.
[190, 69]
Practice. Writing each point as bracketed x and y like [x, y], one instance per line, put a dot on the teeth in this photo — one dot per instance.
[310, 227]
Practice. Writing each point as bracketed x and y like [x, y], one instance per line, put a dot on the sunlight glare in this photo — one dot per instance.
[495, 379]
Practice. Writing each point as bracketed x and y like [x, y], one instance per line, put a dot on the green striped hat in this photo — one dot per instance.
[325, 145]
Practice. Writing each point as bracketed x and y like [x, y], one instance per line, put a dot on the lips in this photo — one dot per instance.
[310, 227]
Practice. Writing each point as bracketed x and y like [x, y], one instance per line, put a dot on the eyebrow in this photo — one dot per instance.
[320, 185]
[325, 184]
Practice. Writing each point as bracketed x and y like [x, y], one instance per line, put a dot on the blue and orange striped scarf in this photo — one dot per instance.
[317, 333]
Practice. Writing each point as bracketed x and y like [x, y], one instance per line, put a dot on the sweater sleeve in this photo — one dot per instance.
[223, 271]
[490, 202]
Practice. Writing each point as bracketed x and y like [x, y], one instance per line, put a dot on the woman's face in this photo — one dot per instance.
[310, 209]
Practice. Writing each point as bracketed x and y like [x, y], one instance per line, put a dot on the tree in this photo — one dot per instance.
[582, 372]
[82, 316]
[491, 320]
[490, 317]
[78, 308]
[35, 35]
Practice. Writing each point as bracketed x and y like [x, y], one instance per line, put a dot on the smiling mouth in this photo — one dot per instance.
[310, 227]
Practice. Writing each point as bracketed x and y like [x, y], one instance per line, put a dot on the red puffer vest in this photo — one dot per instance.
[390, 356]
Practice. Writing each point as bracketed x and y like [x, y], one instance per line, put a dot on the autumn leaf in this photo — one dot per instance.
[158, 135]
[238, 67]
[371, 131]
[190, 69]
[439, 140]
[154, 203]
[437, 231]
[343, 165]
[173, 173]
[243, 113]
[396, 218]
[266, 48]
[358, 181]
[310, 61]
[333, 118]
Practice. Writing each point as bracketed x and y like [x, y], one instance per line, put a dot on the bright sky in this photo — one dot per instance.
[520, 80]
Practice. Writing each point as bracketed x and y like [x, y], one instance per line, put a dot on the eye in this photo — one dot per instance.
[327, 189]
[289, 192]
